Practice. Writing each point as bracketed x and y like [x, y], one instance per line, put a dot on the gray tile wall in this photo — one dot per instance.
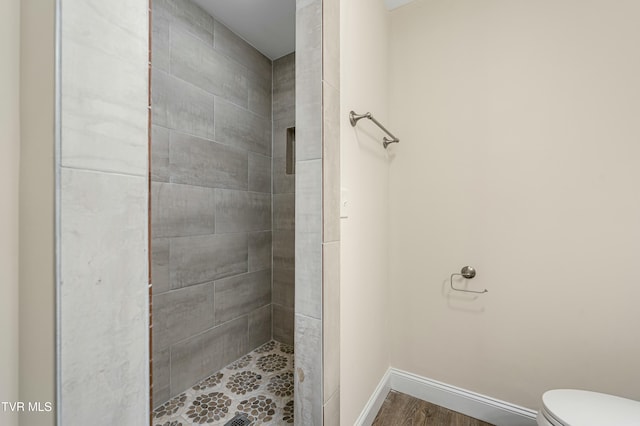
[317, 239]
[102, 206]
[211, 195]
[308, 386]
[284, 116]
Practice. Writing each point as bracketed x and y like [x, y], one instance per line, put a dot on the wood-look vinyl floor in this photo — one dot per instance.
[399, 409]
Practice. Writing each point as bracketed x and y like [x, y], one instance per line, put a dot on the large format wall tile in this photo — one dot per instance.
[186, 15]
[284, 268]
[259, 327]
[310, 169]
[160, 265]
[196, 358]
[280, 136]
[284, 211]
[283, 324]
[160, 372]
[282, 182]
[181, 210]
[309, 80]
[259, 173]
[239, 295]
[309, 53]
[260, 256]
[308, 129]
[308, 374]
[284, 89]
[284, 249]
[260, 94]
[182, 312]
[241, 128]
[227, 42]
[179, 105]
[197, 161]
[125, 21]
[159, 154]
[309, 196]
[160, 42]
[309, 271]
[104, 113]
[195, 260]
[284, 286]
[241, 211]
[212, 209]
[331, 43]
[283, 296]
[186, 365]
[103, 216]
[104, 298]
[198, 63]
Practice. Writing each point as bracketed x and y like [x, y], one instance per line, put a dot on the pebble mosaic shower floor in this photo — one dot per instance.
[260, 385]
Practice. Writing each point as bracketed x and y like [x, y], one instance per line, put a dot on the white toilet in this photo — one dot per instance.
[570, 407]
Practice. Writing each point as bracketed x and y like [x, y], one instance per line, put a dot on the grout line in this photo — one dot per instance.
[308, 316]
[106, 172]
[208, 139]
[214, 95]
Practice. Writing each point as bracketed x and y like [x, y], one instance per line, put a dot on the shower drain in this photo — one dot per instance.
[238, 420]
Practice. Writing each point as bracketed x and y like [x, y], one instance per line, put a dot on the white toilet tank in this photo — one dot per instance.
[571, 407]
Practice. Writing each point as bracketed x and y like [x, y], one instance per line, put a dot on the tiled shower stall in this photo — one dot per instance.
[102, 210]
[222, 196]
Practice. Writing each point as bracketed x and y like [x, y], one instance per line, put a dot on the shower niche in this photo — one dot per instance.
[222, 222]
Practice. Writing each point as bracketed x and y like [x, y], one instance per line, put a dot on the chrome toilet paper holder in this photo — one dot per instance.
[467, 272]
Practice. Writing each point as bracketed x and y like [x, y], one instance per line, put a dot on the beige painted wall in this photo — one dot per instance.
[9, 174]
[519, 156]
[37, 269]
[364, 311]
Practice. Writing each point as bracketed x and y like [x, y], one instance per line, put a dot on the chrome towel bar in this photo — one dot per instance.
[354, 118]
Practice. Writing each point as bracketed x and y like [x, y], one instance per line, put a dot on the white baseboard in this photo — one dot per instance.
[490, 410]
[372, 406]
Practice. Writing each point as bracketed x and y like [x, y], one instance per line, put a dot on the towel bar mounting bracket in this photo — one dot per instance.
[354, 118]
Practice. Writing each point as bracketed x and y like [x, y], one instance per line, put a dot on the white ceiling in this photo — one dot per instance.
[392, 4]
[268, 25]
